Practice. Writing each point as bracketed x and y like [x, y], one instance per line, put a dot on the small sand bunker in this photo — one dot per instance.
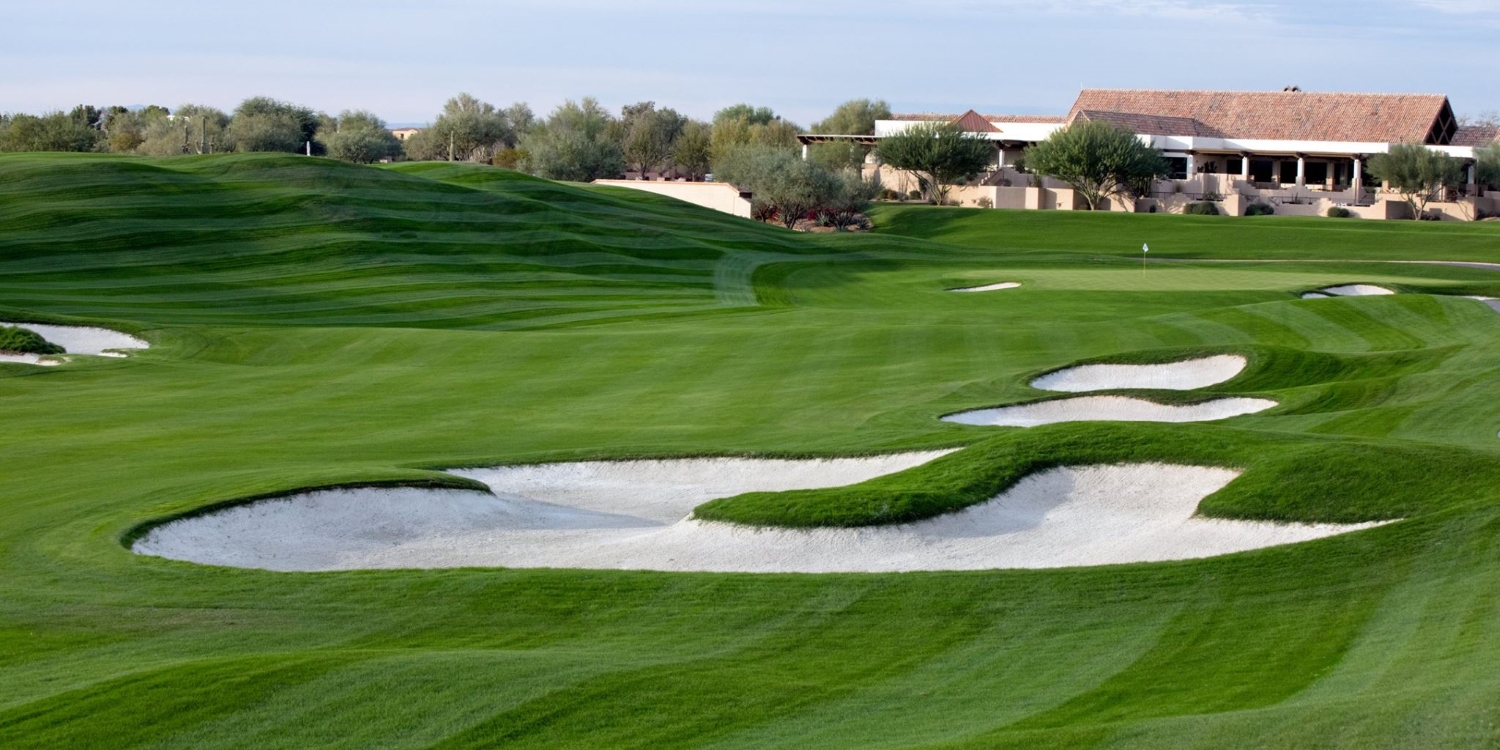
[1109, 409]
[631, 516]
[989, 287]
[1349, 290]
[1174, 376]
[99, 342]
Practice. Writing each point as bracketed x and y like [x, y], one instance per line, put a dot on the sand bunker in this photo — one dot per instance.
[99, 342]
[1109, 409]
[631, 516]
[989, 288]
[1174, 376]
[1350, 290]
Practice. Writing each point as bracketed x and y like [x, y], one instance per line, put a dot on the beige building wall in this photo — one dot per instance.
[718, 196]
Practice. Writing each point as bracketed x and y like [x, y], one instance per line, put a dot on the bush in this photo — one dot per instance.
[985, 202]
[914, 195]
[1260, 209]
[1339, 212]
[887, 194]
[23, 341]
[1201, 208]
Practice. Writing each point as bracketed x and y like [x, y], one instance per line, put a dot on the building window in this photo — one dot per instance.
[1317, 172]
[1234, 165]
[1262, 170]
[1178, 167]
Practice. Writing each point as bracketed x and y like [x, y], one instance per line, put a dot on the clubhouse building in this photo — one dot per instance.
[1300, 152]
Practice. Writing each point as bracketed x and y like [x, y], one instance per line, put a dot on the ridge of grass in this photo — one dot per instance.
[16, 340]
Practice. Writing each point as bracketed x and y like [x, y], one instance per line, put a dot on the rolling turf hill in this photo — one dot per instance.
[314, 323]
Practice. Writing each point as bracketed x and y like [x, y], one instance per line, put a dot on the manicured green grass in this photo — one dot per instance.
[313, 323]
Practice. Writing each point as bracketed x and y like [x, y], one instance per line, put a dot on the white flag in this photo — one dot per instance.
[1145, 248]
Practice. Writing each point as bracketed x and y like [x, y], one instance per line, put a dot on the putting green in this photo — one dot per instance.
[314, 324]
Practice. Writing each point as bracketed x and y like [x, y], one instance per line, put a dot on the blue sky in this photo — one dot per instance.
[403, 59]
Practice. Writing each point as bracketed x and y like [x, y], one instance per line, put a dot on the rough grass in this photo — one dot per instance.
[23, 341]
[282, 296]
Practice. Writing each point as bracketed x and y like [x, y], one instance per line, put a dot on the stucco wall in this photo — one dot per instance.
[718, 196]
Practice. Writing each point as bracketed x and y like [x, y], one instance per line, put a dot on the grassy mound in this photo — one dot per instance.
[318, 324]
[23, 341]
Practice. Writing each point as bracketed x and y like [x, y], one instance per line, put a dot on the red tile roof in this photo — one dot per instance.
[1282, 115]
[972, 122]
[934, 117]
[1147, 124]
[1476, 136]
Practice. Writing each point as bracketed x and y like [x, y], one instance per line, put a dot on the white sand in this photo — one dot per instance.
[1109, 409]
[31, 359]
[1316, 295]
[989, 288]
[1174, 376]
[616, 517]
[99, 342]
[1356, 290]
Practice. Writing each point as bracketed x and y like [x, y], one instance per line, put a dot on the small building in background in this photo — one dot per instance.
[403, 133]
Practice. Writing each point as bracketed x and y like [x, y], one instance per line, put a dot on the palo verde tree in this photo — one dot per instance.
[646, 135]
[192, 129]
[1098, 160]
[692, 152]
[938, 154]
[854, 117]
[1418, 173]
[573, 144]
[360, 137]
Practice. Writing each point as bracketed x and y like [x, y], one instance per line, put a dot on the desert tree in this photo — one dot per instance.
[261, 123]
[692, 152]
[1420, 174]
[646, 135]
[360, 137]
[1487, 165]
[573, 144]
[854, 117]
[190, 129]
[938, 154]
[468, 129]
[54, 131]
[746, 125]
[1098, 160]
[784, 187]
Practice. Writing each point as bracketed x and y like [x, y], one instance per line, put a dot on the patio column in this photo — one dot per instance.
[1359, 177]
[1192, 164]
[1245, 166]
[804, 152]
[1473, 175]
[1301, 170]
[1000, 158]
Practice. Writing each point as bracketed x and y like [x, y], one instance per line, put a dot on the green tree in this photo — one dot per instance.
[647, 134]
[783, 186]
[573, 144]
[468, 130]
[191, 129]
[849, 200]
[854, 117]
[1487, 162]
[54, 131]
[1098, 160]
[521, 119]
[693, 150]
[1418, 173]
[750, 114]
[744, 125]
[264, 124]
[938, 154]
[361, 137]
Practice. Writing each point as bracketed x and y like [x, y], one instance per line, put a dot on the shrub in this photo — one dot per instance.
[1260, 209]
[1339, 212]
[914, 195]
[985, 202]
[23, 341]
[1201, 208]
[887, 194]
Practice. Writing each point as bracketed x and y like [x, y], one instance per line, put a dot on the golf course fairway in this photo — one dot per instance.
[314, 325]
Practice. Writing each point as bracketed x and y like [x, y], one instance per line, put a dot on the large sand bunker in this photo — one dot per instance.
[633, 516]
[1172, 376]
[1109, 409]
[99, 342]
[989, 287]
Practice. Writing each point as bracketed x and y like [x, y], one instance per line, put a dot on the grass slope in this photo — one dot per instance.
[310, 346]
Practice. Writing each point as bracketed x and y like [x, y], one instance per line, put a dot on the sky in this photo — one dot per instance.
[403, 59]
